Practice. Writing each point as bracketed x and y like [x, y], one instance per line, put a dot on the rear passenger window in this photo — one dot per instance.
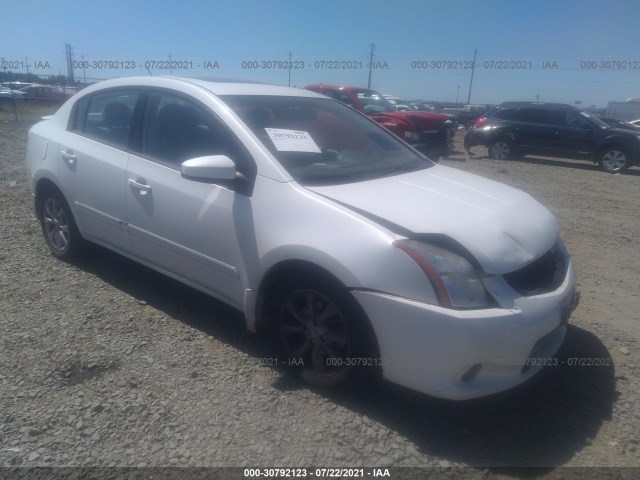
[505, 114]
[532, 115]
[107, 116]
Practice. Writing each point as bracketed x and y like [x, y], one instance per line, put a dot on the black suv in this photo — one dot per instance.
[551, 129]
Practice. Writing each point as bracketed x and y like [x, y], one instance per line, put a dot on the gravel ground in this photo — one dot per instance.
[106, 363]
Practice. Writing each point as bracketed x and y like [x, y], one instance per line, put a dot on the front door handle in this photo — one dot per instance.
[143, 188]
[69, 157]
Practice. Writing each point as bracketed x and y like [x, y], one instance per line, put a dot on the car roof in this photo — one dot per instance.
[213, 85]
[339, 87]
[24, 84]
[537, 104]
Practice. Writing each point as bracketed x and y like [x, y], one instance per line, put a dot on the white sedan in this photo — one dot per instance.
[356, 252]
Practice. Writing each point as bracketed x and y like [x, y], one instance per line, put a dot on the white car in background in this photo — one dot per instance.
[324, 228]
[6, 94]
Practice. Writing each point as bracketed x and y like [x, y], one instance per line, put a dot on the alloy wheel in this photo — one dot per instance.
[614, 160]
[56, 224]
[500, 150]
[314, 331]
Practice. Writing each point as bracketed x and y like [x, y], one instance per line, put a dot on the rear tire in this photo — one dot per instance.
[58, 226]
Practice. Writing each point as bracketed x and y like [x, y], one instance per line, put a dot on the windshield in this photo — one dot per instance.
[321, 141]
[373, 102]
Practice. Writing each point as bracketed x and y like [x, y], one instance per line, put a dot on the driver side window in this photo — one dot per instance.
[176, 130]
[567, 119]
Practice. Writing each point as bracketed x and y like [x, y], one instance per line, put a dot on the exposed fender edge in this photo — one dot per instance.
[250, 302]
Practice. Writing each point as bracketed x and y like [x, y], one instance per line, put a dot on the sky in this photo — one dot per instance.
[563, 51]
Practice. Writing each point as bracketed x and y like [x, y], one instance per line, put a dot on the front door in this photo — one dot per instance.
[184, 226]
[573, 135]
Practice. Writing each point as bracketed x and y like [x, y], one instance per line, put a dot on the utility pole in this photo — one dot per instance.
[26, 64]
[84, 72]
[370, 64]
[289, 84]
[473, 69]
[10, 78]
[457, 95]
[69, 62]
[66, 56]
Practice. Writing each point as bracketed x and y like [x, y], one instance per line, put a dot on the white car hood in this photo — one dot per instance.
[502, 227]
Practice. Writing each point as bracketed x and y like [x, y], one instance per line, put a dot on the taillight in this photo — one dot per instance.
[481, 121]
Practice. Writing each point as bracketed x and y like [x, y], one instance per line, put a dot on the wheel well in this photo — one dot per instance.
[609, 146]
[289, 270]
[45, 185]
[278, 275]
[501, 138]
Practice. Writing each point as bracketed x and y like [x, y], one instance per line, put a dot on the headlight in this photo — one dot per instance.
[454, 279]
[411, 137]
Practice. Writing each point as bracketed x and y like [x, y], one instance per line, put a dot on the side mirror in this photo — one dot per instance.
[212, 167]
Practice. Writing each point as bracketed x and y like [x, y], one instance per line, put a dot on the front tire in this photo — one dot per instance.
[501, 149]
[614, 159]
[323, 332]
[58, 227]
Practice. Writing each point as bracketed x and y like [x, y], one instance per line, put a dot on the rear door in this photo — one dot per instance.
[532, 130]
[93, 155]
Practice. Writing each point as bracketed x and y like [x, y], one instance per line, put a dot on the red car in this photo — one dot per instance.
[429, 132]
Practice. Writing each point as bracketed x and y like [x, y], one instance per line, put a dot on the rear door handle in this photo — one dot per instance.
[69, 157]
[142, 188]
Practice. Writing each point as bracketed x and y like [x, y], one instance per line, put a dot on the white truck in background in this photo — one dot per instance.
[625, 111]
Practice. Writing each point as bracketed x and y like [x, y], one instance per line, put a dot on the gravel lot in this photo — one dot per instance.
[106, 363]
